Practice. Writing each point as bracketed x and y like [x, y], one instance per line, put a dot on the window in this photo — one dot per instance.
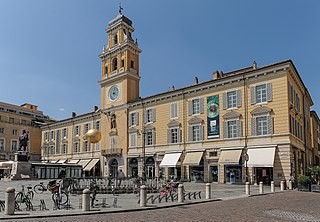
[52, 135]
[98, 125]
[196, 133]
[106, 69]
[76, 147]
[173, 135]
[262, 125]
[114, 64]
[86, 128]
[113, 142]
[196, 106]
[292, 125]
[173, 110]
[213, 153]
[232, 129]
[261, 93]
[133, 119]
[149, 137]
[51, 150]
[115, 39]
[64, 133]
[150, 115]
[77, 130]
[132, 64]
[297, 102]
[64, 148]
[1, 144]
[232, 99]
[2, 130]
[86, 146]
[133, 139]
[14, 145]
[14, 132]
[11, 120]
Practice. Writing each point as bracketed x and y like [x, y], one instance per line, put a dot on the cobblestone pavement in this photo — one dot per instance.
[286, 206]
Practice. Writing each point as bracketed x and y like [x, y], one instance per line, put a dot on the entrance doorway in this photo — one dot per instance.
[214, 173]
[113, 168]
[150, 167]
[133, 166]
[264, 174]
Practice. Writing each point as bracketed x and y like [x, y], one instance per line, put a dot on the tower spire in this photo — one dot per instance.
[120, 9]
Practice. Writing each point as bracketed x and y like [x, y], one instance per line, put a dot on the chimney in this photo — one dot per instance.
[215, 75]
[74, 114]
[196, 80]
[95, 109]
[254, 65]
[173, 88]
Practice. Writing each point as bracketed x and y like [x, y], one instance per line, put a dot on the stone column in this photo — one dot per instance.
[9, 201]
[261, 187]
[272, 186]
[143, 196]
[247, 188]
[180, 193]
[86, 200]
[208, 191]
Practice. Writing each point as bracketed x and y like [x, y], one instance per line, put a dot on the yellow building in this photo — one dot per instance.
[13, 120]
[315, 137]
[252, 123]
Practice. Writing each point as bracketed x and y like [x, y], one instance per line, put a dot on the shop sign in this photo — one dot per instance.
[213, 116]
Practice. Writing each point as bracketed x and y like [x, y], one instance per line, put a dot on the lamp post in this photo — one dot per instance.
[143, 156]
[246, 158]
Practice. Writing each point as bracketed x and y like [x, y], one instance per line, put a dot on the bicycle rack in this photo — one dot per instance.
[43, 205]
[115, 202]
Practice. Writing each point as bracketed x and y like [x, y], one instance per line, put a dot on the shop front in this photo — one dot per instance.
[150, 167]
[133, 167]
[231, 164]
[194, 161]
[262, 162]
[172, 165]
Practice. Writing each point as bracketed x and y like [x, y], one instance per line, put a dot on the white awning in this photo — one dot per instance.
[61, 161]
[54, 161]
[73, 161]
[170, 160]
[192, 158]
[262, 157]
[84, 163]
[230, 157]
[92, 163]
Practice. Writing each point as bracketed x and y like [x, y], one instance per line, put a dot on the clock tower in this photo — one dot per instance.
[120, 64]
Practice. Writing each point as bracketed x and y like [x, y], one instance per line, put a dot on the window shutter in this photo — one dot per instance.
[190, 108]
[201, 102]
[201, 132]
[239, 98]
[269, 92]
[225, 129]
[289, 92]
[171, 110]
[153, 137]
[270, 125]
[169, 136]
[253, 126]
[130, 118]
[179, 135]
[190, 138]
[145, 138]
[145, 115]
[153, 115]
[239, 128]
[225, 100]
[253, 94]
[136, 119]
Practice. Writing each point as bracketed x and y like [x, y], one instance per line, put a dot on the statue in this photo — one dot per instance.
[23, 141]
[113, 121]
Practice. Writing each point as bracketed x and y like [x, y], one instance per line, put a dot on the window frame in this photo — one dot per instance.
[233, 99]
[263, 93]
[265, 122]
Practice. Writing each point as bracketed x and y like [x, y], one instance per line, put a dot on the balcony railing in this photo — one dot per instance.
[112, 152]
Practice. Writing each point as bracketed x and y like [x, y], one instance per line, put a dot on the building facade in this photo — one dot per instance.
[249, 124]
[315, 137]
[13, 120]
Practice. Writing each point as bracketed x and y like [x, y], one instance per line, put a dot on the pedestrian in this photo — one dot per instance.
[120, 176]
[292, 181]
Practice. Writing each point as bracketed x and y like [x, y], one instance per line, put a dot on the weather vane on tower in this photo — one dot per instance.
[120, 9]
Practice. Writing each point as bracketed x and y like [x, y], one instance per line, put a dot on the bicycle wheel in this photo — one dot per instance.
[30, 195]
[64, 198]
[38, 188]
[19, 197]
[55, 198]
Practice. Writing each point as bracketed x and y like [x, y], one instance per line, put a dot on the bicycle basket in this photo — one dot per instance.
[54, 189]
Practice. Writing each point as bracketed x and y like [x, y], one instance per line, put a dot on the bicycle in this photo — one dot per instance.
[59, 196]
[40, 188]
[22, 196]
[136, 186]
[168, 188]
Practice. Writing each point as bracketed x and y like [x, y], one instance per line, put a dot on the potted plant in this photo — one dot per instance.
[303, 182]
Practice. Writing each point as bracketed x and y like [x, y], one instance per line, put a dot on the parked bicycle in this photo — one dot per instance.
[23, 196]
[137, 182]
[59, 196]
[40, 188]
[169, 187]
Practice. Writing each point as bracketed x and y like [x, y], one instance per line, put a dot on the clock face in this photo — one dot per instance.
[114, 93]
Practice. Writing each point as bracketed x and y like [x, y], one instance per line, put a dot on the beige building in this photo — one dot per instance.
[13, 120]
[252, 123]
[315, 137]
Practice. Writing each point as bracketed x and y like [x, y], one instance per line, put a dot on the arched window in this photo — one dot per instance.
[115, 64]
[115, 39]
[106, 69]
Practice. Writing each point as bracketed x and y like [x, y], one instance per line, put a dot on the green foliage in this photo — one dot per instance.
[303, 180]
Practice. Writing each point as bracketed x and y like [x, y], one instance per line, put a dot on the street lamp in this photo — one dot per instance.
[246, 158]
[143, 156]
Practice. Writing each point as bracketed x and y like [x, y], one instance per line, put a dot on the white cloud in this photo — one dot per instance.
[61, 109]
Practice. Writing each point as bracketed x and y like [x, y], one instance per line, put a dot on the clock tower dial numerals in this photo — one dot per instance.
[114, 93]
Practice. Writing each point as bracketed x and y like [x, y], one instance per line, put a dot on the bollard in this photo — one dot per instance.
[86, 200]
[143, 196]
[272, 186]
[282, 185]
[208, 191]
[9, 201]
[290, 185]
[247, 188]
[180, 194]
[261, 187]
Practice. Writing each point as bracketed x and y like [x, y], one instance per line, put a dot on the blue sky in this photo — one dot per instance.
[49, 49]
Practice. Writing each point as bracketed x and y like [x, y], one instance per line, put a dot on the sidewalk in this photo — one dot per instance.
[124, 202]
